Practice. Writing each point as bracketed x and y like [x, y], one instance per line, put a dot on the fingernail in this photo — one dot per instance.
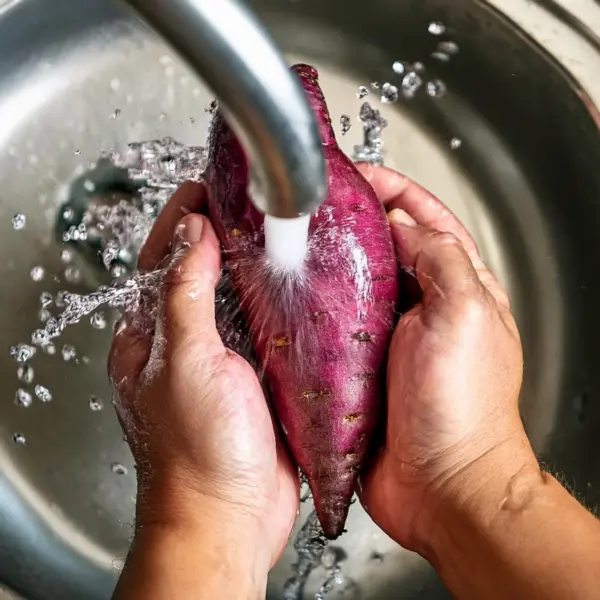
[188, 232]
[401, 217]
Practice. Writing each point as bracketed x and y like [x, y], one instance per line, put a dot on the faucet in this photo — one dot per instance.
[262, 99]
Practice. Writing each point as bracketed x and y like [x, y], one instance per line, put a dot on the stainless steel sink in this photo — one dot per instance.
[526, 180]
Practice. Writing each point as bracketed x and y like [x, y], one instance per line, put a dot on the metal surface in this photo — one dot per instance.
[233, 54]
[525, 181]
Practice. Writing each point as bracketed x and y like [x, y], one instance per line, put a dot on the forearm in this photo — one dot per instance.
[202, 558]
[515, 533]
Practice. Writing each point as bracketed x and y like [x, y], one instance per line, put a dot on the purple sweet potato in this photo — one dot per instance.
[321, 334]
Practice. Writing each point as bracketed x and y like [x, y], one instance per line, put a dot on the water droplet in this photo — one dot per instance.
[68, 213]
[115, 84]
[329, 558]
[377, 557]
[19, 221]
[77, 152]
[411, 84]
[362, 92]
[448, 47]
[98, 320]
[118, 271]
[389, 93]
[436, 28]
[66, 256]
[441, 56]
[418, 67]
[19, 439]
[62, 298]
[25, 373]
[162, 117]
[455, 143]
[346, 124]
[22, 352]
[23, 398]
[43, 393]
[53, 328]
[398, 67]
[46, 299]
[40, 337]
[375, 86]
[116, 114]
[68, 352]
[118, 469]
[37, 273]
[436, 88]
[192, 120]
[89, 185]
[96, 404]
[72, 274]
[49, 349]
[44, 314]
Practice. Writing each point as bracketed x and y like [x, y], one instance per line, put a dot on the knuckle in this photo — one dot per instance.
[472, 308]
[446, 239]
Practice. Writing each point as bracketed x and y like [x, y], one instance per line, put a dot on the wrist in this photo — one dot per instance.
[211, 525]
[506, 476]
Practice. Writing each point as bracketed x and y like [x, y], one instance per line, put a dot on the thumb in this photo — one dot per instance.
[188, 302]
[438, 260]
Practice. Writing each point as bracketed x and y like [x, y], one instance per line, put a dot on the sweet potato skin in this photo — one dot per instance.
[321, 334]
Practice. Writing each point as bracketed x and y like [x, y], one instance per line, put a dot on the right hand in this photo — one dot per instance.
[454, 372]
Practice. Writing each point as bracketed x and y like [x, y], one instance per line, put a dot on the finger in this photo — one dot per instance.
[188, 198]
[397, 191]
[439, 261]
[188, 303]
[128, 355]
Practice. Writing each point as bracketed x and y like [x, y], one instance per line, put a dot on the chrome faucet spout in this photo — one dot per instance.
[263, 100]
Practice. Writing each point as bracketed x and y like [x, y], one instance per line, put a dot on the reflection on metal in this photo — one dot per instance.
[525, 181]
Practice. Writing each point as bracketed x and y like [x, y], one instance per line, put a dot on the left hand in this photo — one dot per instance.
[193, 412]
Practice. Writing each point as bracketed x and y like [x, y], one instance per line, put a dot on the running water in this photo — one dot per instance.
[118, 229]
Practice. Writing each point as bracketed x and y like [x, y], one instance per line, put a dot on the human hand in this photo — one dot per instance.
[454, 372]
[193, 412]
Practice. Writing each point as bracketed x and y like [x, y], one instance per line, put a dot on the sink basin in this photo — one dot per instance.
[80, 76]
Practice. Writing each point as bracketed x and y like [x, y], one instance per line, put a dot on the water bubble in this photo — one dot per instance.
[448, 47]
[63, 298]
[66, 256]
[53, 328]
[346, 124]
[162, 117]
[418, 67]
[23, 398]
[95, 404]
[22, 352]
[119, 469]
[25, 373]
[19, 221]
[46, 299]
[68, 352]
[77, 152]
[375, 86]
[115, 84]
[455, 143]
[362, 92]
[411, 84]
[43, 393]
[398, 67]
[116, 114]
[98, 320]
[37, 273]
[436, 28]
[389, 93]
[72, 274]
[377, 557]
[89, 185]
[436, 88]
[19, 439]
[329, 558]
